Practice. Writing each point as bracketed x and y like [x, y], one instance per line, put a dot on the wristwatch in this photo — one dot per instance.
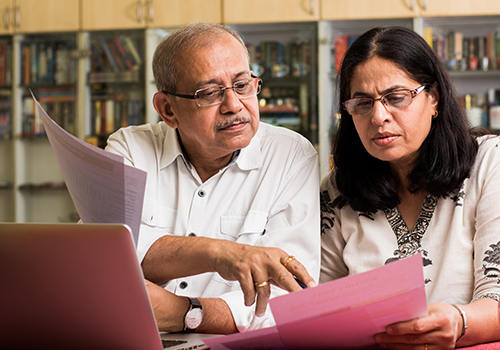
[194, 315]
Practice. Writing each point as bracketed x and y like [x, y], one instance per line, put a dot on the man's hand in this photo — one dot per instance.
[255, 268]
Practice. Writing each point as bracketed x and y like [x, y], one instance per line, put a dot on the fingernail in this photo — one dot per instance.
[311, 284]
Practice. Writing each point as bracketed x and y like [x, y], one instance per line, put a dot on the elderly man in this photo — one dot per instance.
[231, 210]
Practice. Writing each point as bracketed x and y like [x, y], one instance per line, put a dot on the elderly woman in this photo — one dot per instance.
[410, 176]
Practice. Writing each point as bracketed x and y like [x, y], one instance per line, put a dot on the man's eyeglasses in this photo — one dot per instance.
[393, 100]
[214, 95]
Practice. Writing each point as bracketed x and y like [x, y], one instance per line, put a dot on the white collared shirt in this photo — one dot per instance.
[267, 196]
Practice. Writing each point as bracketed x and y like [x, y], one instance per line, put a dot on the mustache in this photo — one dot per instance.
[228, 122]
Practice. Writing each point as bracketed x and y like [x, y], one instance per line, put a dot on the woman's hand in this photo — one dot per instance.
[439, 330]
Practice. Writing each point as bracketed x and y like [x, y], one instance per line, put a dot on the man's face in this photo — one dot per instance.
[214, 132]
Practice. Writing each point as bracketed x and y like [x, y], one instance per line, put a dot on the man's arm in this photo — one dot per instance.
[170, 309]
[172, 257]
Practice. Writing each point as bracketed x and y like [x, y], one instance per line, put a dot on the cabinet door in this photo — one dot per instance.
[113, 14]
[174, 13]
[6, 16]
[368, 9]
[32, 16]
[444, 8]
[267, 11]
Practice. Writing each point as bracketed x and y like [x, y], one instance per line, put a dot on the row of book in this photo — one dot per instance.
[59, 103]
[483, 109]
[277, 60]
[5, 120]
[5, 63]
[48, 63]
[110, 113]
[114, 54]
[461, 52]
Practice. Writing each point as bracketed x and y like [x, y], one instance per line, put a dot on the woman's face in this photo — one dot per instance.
[391, 135]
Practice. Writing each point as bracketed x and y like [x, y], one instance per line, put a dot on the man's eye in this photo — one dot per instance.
[209, 93]
[243, 86]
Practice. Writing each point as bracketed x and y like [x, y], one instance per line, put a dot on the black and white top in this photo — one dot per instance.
[458, 236]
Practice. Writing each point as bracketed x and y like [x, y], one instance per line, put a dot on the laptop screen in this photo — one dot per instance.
[73, 286]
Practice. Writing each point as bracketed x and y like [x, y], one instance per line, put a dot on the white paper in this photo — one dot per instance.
[102, 187]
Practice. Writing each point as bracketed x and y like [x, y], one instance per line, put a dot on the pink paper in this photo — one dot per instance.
[345, 313]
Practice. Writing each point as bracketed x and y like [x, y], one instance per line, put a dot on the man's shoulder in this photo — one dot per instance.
[152, 130]
[282, 138]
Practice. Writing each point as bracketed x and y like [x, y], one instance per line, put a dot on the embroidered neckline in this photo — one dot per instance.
[410, 242]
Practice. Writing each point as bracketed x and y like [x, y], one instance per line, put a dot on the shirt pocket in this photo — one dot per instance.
[243, 229]
[157, 215]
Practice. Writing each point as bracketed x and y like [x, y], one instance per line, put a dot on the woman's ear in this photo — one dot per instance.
[435, 97]
[161, 102]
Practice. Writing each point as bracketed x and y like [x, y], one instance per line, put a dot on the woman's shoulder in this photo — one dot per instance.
[488, 145]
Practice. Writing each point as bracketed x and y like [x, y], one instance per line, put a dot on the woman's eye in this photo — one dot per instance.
[395, 98]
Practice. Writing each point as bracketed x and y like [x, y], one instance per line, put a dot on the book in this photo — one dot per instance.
[124, 54]
[341, 45]
[107, 52]
[131, 50]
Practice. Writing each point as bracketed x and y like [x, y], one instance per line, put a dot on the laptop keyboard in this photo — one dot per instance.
[169, 343]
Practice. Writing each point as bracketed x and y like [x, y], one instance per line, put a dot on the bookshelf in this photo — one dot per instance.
[476, 78]
[284, 56]
[116, 83]
[299, 88]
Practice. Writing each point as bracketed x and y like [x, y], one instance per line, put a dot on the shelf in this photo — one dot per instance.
[110, 77]
[43, 186]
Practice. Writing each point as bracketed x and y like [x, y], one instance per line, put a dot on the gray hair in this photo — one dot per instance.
[193, 36]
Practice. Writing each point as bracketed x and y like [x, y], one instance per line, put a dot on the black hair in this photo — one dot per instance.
[447, 154]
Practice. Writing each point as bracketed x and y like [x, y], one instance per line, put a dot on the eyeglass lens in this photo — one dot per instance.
[215, 95]
[393, 100]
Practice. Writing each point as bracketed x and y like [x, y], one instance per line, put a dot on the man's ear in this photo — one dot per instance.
[161, 102]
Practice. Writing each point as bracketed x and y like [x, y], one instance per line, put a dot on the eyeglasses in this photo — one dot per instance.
[393, 100]
[214, 95]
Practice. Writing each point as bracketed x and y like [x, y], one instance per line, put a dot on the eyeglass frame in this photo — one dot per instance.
[413, 92]
[223, 88]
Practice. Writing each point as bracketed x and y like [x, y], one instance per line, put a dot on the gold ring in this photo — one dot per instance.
[290, 258]
[263, 284]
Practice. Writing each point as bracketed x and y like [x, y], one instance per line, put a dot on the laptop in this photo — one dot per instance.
[77, 286]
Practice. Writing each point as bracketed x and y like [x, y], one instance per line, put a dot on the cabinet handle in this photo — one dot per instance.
[151, 11]
[425, 5]
[6, 15]
[139, 11]
[18, 16]
[311, 7]
[412, 5]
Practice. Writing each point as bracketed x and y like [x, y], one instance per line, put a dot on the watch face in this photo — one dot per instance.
[193, 318]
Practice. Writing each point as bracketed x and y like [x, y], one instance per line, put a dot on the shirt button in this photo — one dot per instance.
[201, 193]
[183, 285]
[192, 234]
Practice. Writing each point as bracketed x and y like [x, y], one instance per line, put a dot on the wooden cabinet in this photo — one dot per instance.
[368, 9]
[113, 14]
[174, 13]
[267, 11]
[446, 8]
[137, 14]
[32, 16]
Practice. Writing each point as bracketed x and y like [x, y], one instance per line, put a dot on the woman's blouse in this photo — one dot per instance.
[458, 236]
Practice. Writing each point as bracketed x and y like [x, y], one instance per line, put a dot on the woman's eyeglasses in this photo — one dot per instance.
[393, 100]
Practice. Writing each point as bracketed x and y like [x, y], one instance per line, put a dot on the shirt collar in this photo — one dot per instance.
[247, 158]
